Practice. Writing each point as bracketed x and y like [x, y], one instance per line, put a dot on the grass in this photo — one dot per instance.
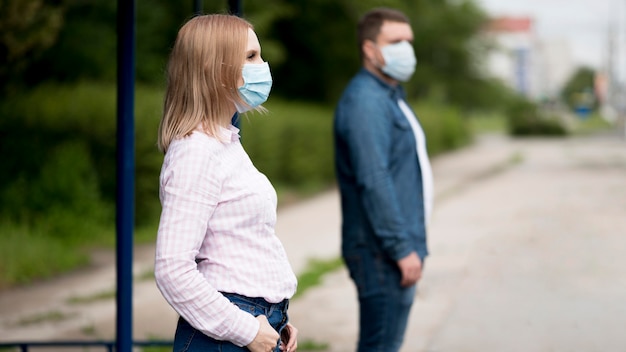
[89, 330]
[592, 124]
[96, 297]
[147, 275]
[314, 272]
[156, 349]
[310, 345]
[491, 122]
[27, 252]
[51, 316]
[108, 294]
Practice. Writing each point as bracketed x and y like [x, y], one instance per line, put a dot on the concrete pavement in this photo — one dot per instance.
[527, 253]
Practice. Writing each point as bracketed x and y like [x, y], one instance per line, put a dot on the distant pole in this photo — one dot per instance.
[234, 7]
[622, 101]
[197, 7]
[125, 200]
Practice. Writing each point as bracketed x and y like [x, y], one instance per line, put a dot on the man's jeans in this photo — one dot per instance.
[384, 304]
[188, 339]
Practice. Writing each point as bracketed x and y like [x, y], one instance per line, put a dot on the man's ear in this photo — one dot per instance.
[369, 51]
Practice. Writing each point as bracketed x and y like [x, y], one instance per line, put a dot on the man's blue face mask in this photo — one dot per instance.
[257, 84]
[400, 60]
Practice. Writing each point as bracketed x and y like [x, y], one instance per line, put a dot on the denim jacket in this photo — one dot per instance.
[378, 172]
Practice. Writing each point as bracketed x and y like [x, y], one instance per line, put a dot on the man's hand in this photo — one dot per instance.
[411, 269]
[266, 339]
[289, 339]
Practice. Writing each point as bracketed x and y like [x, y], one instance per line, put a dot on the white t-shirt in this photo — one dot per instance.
[422, 155]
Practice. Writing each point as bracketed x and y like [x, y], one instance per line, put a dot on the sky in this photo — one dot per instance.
[584, 24]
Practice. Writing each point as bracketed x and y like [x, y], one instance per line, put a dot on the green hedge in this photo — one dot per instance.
[57, 196]
[527, 119]
[291, 144]
[445, 127]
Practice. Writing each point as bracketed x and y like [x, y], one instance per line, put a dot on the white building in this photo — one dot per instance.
[533, 66]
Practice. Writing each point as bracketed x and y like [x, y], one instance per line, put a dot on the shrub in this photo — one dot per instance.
[58, 193]
[292, 145]
[444, 126]
[525, 119]
[27, 252]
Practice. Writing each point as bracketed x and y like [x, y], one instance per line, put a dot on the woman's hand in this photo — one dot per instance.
[289, 338]
[266, 338]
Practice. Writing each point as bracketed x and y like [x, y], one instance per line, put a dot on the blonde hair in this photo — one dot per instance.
[202, 74]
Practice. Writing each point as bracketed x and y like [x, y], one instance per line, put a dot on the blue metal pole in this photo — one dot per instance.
[198, 7]
[125, 200]
[234, 7]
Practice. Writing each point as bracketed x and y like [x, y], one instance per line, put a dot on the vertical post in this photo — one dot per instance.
[197, 7]
[622, 102]
[234, 8]
[125, 199]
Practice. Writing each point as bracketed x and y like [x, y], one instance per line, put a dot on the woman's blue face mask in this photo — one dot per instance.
[257, 84]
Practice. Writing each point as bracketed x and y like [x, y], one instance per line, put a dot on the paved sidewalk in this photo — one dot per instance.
[328, 314]
[527, 254]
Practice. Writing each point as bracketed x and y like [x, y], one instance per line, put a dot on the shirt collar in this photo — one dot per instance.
[396, 91]
[229, 135]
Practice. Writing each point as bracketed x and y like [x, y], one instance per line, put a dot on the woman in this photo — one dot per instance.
[218, 261]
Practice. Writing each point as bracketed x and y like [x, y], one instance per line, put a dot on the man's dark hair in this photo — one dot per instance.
[370, 23]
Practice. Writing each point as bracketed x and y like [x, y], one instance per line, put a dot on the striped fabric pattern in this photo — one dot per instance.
[216, 234]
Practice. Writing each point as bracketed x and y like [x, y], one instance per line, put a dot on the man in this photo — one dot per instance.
[385, 181]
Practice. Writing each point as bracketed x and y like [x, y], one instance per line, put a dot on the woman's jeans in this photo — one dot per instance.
[188, 339]
[384, 305]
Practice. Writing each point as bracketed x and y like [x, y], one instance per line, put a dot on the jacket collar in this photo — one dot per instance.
[394, 91]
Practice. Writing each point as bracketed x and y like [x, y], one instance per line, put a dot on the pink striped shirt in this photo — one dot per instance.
[216, 234]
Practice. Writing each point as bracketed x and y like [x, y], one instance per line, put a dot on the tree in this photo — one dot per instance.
[578, 91]
[319, 41]
[449, 49]
[311, 45]
[86, 43]
[27, 27]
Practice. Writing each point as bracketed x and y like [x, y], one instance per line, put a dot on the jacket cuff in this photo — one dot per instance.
[401, 250]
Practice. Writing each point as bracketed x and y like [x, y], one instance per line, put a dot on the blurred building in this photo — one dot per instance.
[608, 88]
[533, 66]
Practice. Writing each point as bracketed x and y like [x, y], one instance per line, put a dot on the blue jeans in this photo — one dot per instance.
[384, 305]
[188, 339]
